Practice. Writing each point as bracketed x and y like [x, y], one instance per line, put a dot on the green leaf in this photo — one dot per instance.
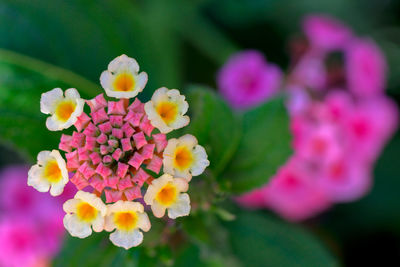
[260, 240]
[214, 125]
[22, 81]
[264, 146]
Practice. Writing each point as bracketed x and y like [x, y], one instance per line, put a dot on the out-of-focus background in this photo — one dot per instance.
[186, 42]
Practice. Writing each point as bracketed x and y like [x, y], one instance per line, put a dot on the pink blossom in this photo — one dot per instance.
[366, 68]
[292, 193]
[35, 218]
[115, 146]
[16, 197]
[298, 100]
[20, 243]
[247, 79]
[326, 33]
[309, 72]
[344, 178]
[369, 125]
[338, 104]
[340, 121]
[253, 199]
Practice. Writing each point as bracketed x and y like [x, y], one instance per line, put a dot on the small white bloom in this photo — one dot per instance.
[84, 211]
[166, 110]
[184, 158]
[127, 218]
[64, 109]
[166, 193]
[122, 78]
[50, 172]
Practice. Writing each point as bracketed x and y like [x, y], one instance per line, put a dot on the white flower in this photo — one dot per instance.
[122, 78]
[84, 211]
[166, 110]
[50, 172]
[127, 218]
[183, 157]
[64, 110]
[166, 193]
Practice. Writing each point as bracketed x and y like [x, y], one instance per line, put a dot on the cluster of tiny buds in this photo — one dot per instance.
[121, 149]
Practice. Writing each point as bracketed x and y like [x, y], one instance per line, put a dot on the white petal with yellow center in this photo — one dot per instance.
[122, 78]
[165, 193]
[184, 158]
[166, 110]
[180, 208]
[84, 212]
[64, 110]
[50, 173]
[127, 218]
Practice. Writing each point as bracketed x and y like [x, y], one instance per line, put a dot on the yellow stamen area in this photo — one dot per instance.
[65, 109]
[168, 111]
[124, 82]
[167, 195]
[86, 212]
[183, 158]
[126, 220]
[52, 172]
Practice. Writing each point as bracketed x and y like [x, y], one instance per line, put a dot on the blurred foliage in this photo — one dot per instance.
[177, 42]
[260, 240]
[22, 80]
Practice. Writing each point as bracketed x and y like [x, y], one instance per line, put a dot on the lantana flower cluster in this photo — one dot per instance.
[340, 119]
[120, 153]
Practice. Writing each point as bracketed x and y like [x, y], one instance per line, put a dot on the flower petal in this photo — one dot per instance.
[126, 240]
[180, 208]
[49, 99]
[75, 227]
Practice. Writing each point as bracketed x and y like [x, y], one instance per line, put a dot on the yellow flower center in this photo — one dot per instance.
[86, 212]
[52, 172]
[168, 111]
[65, 109]
[167, 195]
[126, 220]
[124, 82]
[183, 158]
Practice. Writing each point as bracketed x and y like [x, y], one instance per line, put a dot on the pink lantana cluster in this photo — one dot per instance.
[247, 79]
[119, 148]
[112, 149]
[31, 227]
[340, 122]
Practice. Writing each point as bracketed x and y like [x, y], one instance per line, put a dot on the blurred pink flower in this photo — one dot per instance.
[344, 178]
[320, 142]
[366, 68]
[340, 122]
[325, 33]
[292, 193]
[368, 126]
[31, 220]
[21, 243]
[309, 72]
[247, 79]
[253, 199]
